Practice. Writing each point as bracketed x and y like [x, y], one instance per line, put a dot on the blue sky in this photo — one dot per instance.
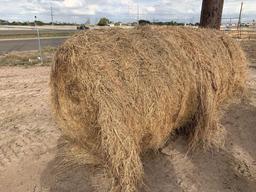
[123, 10]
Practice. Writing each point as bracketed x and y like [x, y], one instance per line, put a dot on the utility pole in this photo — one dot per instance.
[138, 11]
[88, 21]
[39, 43]
[211, 13]
[52, 15]
[240, 16]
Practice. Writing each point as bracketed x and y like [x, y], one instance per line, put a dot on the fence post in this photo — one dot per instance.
[39, 42]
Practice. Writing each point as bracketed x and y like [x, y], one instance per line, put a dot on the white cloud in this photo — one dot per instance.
[150, 9]
[116, 9]
[73, 3]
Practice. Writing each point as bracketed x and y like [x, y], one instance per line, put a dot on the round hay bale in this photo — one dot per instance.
[120, 92]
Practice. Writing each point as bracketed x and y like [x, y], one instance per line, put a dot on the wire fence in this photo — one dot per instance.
[239, 29]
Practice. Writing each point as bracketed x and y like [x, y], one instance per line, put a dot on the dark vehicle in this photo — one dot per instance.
[144, 22]
[82, 27]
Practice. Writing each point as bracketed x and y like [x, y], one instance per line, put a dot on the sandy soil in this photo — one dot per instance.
[32, 155]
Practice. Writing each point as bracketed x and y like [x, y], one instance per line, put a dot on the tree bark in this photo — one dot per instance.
[211, 13]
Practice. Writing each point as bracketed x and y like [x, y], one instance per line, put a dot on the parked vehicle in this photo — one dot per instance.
[82, 27]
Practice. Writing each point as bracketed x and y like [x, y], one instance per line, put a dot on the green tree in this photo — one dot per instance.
[103, 21]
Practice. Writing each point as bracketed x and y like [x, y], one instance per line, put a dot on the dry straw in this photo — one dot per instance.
[120, 92]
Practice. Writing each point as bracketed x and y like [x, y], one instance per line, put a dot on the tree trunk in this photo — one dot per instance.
[211, 13]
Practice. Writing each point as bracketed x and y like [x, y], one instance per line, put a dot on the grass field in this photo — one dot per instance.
[28, 58]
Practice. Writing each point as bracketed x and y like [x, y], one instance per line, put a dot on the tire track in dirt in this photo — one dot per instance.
[25, 144]
[26, 125]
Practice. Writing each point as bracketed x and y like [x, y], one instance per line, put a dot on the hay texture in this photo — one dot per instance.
[120, 92]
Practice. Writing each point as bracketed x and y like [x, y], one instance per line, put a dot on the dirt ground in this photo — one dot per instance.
[32, 155]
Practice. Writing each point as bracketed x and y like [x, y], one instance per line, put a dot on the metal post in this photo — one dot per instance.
[39, 42]
[211, 13]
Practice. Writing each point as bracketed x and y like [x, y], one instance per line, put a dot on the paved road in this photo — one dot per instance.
[33, 32]
[27, 45]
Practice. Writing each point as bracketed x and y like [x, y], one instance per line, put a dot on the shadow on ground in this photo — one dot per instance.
[229, 169]
[63, 175]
